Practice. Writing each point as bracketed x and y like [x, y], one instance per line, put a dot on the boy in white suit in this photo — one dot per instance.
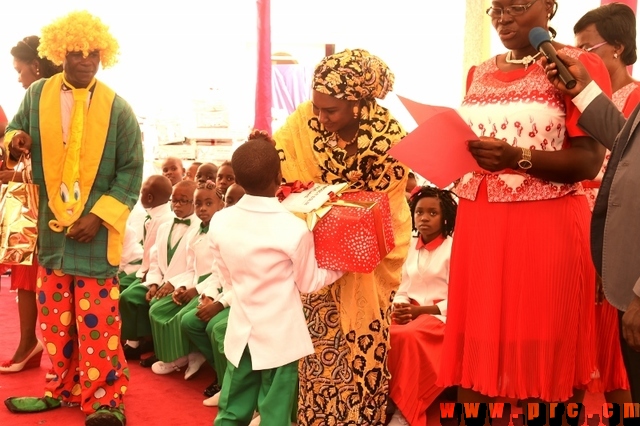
[168, 263]
[198, 275]
[266, 255]
[134, 308]
[131, 259]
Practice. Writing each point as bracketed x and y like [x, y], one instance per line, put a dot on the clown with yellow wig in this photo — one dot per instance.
[86, 154]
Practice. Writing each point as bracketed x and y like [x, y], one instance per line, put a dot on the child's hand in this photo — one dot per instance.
[188, 295]
[204, 301]
[261, 134]
[166, 289]
[208, 311]
[177, 295]
[402, 313]
[153, 288]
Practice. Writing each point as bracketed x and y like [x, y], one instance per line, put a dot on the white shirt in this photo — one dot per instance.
[131, 252]
[267, 256]
[425, 276]
[588, 94]
[160, 269]
[66, 109]
[159, 215]
[178, 231]
[199, 261]
[137, 219]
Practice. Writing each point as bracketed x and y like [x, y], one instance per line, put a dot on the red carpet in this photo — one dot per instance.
[150, 400]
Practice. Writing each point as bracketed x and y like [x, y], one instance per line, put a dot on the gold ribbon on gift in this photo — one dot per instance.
[312, 218]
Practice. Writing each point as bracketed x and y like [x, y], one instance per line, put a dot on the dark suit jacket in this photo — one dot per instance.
[615, 226]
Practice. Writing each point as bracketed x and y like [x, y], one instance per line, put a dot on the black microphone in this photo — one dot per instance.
[539, 38]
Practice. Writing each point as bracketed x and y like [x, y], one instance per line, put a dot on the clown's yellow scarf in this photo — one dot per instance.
[68, 182]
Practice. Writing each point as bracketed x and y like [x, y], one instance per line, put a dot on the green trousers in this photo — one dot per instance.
[126, 280]
[134, 312]
[208, 337]
[169, 341]
[271, 391]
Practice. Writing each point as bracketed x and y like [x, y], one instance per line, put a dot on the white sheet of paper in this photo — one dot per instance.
[311, 199]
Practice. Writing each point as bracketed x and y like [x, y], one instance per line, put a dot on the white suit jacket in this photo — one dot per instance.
[266, 255]
[159, 215]
[131, 252]
[161, 272]
[199, 261]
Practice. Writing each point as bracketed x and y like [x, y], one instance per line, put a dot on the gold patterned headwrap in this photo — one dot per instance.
[353, 75]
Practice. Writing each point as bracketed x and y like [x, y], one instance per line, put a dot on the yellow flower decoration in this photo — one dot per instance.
[78, 32]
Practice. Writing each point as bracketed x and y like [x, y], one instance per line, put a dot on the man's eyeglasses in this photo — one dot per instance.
[515, 10]
[589, 49]
[181, 202]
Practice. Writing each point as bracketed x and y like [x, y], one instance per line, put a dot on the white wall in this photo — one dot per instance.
[173, 50]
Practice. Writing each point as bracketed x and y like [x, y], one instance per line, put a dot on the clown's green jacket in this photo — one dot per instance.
[110, 169]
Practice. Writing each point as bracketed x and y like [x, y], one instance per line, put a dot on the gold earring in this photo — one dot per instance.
[355, 112]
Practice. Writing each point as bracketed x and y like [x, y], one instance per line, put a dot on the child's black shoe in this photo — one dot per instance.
[149, 361]
[132, 353]
[212, 389]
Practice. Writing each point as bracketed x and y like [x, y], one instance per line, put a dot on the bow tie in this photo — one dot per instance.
[182, 221]
[204, 229]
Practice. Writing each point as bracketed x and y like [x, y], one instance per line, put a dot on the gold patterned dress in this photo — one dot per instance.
[346, 381]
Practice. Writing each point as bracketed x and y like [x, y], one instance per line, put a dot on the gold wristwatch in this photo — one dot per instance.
[525, 162]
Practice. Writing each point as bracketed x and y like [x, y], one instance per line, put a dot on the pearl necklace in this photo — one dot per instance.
[526, 61]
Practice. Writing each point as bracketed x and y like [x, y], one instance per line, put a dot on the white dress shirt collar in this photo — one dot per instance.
[159, 210]
[260, 204]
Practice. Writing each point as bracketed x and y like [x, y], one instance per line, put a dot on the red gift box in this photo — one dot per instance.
[356, 234]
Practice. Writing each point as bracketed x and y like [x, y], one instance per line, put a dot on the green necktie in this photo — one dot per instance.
[144, 228]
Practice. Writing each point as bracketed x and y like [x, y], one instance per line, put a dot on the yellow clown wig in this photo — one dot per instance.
[78, 32]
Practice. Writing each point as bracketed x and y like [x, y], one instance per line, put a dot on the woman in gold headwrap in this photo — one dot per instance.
[343, 135]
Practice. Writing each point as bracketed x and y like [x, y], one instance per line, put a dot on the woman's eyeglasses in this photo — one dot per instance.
[515, 10]
[589, 49]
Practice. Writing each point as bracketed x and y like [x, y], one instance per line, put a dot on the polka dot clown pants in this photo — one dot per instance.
[81, 330]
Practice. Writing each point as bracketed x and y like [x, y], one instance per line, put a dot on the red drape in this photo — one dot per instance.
[633, 4]
[263, 84]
